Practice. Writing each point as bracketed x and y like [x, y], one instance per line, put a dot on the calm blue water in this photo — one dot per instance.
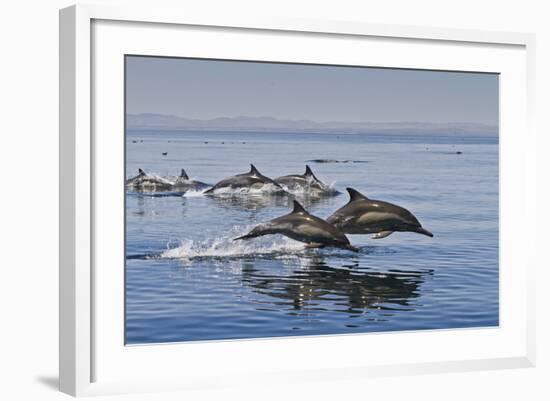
[202, 286]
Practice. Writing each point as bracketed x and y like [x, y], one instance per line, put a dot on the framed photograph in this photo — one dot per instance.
[268, 199]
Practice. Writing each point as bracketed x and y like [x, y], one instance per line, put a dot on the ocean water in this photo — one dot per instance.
[186, 280]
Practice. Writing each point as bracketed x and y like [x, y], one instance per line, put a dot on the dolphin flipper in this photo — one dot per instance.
[382, 234]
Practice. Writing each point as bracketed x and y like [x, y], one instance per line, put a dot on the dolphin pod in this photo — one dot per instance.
[362, 215]
[304, 227]
[251, 182]
[149, 182]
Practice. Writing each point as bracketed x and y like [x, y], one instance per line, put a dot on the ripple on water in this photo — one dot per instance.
[187, 280]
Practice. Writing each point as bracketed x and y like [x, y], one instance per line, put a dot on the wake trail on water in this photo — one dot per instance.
[266, 191]
[240, 192]
[226, 247]
[194, 193]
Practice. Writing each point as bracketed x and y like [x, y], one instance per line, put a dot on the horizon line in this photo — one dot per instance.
[313, 121]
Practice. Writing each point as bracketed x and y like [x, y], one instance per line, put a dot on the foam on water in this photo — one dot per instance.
[150, 181]
[225, 246]
[167, 180]
[194, 193]
[310, 189]
[265, 189]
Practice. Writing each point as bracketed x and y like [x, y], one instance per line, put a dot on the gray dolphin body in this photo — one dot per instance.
[304, 227]
[145, 182]
[362, 215]
[246, 182]
[306, 183]
[184, 183]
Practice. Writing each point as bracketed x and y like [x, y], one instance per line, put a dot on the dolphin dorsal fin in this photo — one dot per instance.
[355, 195]
[141, 172]
[298, 208]
[254, 170]
[184, 175]
[308, 172]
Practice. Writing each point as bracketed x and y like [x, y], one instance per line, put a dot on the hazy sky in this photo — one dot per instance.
[207, 89]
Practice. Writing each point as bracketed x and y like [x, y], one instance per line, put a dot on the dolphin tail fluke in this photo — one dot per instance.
[252, 234]
[421, 230]
[246, 236]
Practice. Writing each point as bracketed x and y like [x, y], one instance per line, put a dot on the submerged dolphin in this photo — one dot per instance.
[362, 215]
[306, 182]
[253, 180]
[302, 226]
[144, 181]
[183, 182]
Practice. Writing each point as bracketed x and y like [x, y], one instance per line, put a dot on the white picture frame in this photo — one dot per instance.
[93, 359]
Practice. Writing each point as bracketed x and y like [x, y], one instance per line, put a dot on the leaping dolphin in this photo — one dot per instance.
[362, 215]
[307, 183]
[246, 182]
[183, 182]
[304, 227]
[145, 182]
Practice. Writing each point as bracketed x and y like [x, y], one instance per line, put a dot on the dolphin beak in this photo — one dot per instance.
[421, 230]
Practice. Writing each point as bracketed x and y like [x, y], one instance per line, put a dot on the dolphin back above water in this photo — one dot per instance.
[183, 182]
[140, 175]
[146, 182]
[362, 215]
[307, 183]
[304, 227]
[253, 181]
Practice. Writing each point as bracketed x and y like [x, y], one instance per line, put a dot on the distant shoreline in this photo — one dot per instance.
[161, 122]
[303, 131]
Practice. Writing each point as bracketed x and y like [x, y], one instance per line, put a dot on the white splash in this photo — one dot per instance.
[254, 190]
[224, 246]
[194, 193]
[310, 190]
[150, 180]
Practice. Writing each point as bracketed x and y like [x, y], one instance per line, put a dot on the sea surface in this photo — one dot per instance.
[187, 280]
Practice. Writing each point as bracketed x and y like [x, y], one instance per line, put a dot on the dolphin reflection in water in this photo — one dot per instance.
[323, 287]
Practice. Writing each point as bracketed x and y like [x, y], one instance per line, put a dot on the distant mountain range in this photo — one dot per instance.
[268, 124]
